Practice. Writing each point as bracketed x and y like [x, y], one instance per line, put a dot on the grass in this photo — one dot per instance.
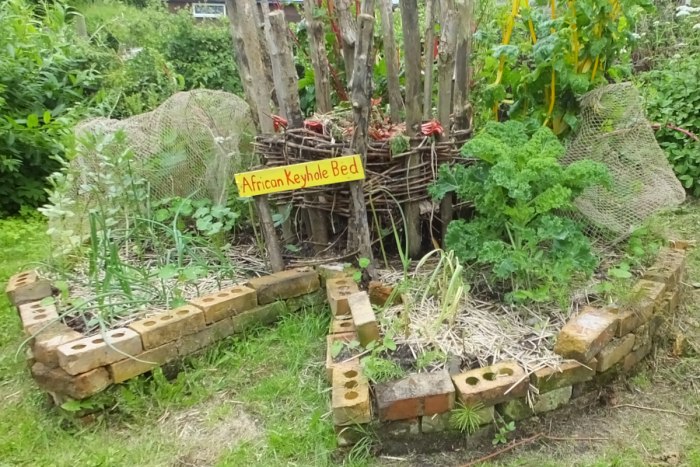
[262, 400]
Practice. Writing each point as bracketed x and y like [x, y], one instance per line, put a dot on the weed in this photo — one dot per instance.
[380, 370]
[466, 419]
[430, 357]
[503, 430]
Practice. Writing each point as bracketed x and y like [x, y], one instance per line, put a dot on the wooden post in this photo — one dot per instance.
[429, 59]
[462, 106]
[368, 7]
[247, 48]
[411, 44]
[361, 108]
[287, 84]
[390, 58]
[346, 23]
[446, 69]
[319, 58]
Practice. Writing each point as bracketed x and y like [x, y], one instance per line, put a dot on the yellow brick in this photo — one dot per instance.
[491, 385]
[342, 323]
[614, 351]
[129, 368]
[566, 374]
[227, 302]
[285, 284]
[26, 287]
[647, 296]
[36, 317]
[586, 334]
[212, 333]
[345, 337]
[668, 268]
[363, 317]
[92, 352]
[338, 291]
[350, 396]
[172, 325]
[47, 342]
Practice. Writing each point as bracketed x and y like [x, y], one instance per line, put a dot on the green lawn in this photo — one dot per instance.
[262, 400]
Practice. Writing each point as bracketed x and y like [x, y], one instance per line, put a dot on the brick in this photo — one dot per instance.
[309, 300]
[668, 268]
[415, 395]
[30, 358]
[674, 299]
[225, 303]
[552, 400]
[35, 317]
[338, 291]
[26, 287]
[285, 284]
[363, 317]
[342, 323]
[515, 409]
[655, 324]
[345, 337]
[350, 396]
[264, 314]
[91, 352]
[636, 356]
[331, 271]
[567, 374]
[380, 293]
[586, 334]
[399, 429]
[47, 342]
[58, 381]
[647, 296]
[161, 328]
[150, 359]
[492, 384]
[193, 342]
[614, 351]
[682, 245]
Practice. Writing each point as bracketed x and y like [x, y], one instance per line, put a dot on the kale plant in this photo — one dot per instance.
[518, 190]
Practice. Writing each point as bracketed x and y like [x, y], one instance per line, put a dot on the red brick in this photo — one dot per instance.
[57, 380]
[380, 293]
[416, 395]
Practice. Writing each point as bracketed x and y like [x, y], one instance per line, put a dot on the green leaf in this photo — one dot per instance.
[167, 272]
[364, 262]
[177, 302]
[47, 117]
[47, 301]
[10, 50]
[357, 276]
[389, 343]
[32, 121]
[162, 214]
[75, 406]
[336, 348]
[510, 51]
[292, 248]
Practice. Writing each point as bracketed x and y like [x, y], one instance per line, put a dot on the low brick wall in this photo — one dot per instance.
[70, 366]
[414, 414]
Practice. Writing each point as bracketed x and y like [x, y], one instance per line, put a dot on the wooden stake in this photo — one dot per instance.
[412, 55]
[287, 83]
[390, 58]
[368, 7]
[346, 23]
[429, 59]
[361, 107]
[268, 228]
[319, 58]
[446, 69]
[462, 106]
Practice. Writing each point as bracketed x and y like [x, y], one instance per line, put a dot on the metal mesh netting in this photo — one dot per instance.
[614, 131]
[188, 146]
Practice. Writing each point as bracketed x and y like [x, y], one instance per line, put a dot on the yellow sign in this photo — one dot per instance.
[293, 177]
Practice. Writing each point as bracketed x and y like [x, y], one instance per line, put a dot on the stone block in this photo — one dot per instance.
[161, 328]
[264, 314]
[150, 359]
[491, 385]
[515, 409]
[399, 429]
[36, 317]
[331, 271]
[338, 291]
[344, 337]
[363, 317]
[341, 324]
[636, 356]
[225, 303]
[552, 400]
[614, 351]
[91, 352]
[285, 284]
[642, 337]
[193, 342]
[415, 395]
[309, 300]
[445, 421]
[647, 296]
[350, 396]
[26, 287]
[567, 374]
[668, 268]
[47, 342]
[58, 381]
[380, 293]
[586, 334]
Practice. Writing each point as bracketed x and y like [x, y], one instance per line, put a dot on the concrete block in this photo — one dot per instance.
[264, 314]
[338, 291]
[341, 324]
[161, 328]
[350, 396]
[91, 352]
[193, 342]
[285, 284]
[363, 317]
[58, 381]
[331, 271]
[636, 356]
[586, 334]
[150, 359]
[309, 300]
[35, 316]
[344, 337]
[614, 351]
[47, 342]
[567, 374]
[491, 385]
[515, 409]
[552, 400]
[647, 296]
[668, 267]
[225, 303]
[415, 395]
[380, 293]
[26, 287]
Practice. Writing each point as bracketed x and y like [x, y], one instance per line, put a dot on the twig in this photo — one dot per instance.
[539, 435]
[356, 356]
[653, 409]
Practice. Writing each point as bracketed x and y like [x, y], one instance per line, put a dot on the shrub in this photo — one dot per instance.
[517, 189]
